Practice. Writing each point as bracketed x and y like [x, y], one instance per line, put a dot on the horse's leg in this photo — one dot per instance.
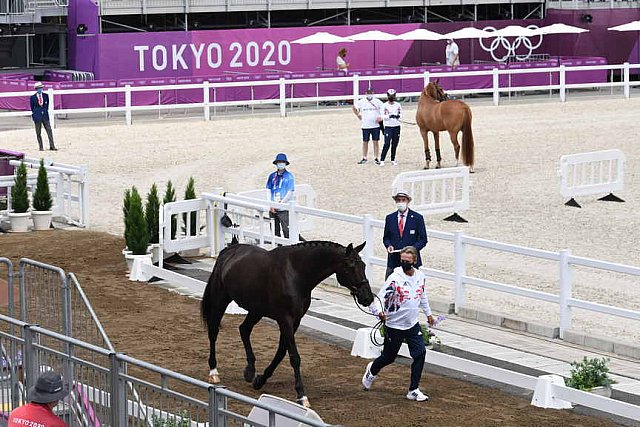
[245, 333]
[294, 359]
[436, 137]
[218, 306]
[456, 146]
[425, 140]
[260, 380]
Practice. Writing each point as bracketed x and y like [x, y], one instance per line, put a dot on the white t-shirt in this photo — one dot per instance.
[451, 51]
[370, 111]
[402, 297]
[341, 64]
[391, 110]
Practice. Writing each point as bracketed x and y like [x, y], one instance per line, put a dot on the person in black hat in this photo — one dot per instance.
[43, 397]
[281, 184]
[402, 228]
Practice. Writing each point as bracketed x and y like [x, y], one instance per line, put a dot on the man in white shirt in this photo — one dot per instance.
[391, 112]
[402, 296]
[452, 53]
[369, 111]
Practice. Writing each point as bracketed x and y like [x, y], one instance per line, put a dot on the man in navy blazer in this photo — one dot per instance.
[40, 115]
[403, 227]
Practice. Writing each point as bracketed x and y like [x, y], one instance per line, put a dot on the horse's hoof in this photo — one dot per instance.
[438, 166]
[214, 377]
[258, 382]
[249, 373]
[304, 401]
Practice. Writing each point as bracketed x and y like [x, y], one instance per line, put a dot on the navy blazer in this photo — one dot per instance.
[415, 234]
[39, 113]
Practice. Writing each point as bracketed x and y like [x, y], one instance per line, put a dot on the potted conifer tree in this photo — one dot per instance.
[42, 202]
[19, 217]
[136, 234]
[152, 214]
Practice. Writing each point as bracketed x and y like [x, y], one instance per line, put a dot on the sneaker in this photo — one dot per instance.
[377, 161]
[416, 394]
[367, 378]
[362, 162]
[381, 163]
[394, 163]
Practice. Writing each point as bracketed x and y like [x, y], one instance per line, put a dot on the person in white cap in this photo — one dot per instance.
[39, 102]
[391, 112]
[43, 397]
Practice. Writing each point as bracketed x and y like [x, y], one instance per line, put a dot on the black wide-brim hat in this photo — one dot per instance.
[49, 388]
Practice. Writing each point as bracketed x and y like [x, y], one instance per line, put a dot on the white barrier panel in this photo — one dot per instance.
[185, 237]
[595, 172]
[436, 190]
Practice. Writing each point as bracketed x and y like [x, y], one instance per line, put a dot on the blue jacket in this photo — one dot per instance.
[415, 234]
[39, 113]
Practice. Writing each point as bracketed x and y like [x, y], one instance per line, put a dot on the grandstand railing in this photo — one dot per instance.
[286, 86]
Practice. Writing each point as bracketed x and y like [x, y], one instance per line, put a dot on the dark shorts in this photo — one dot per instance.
[373, 133]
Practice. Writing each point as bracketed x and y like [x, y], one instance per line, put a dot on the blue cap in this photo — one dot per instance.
[281, 157]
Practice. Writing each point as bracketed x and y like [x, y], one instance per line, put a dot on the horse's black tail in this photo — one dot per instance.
[467, 139]
[212, 286]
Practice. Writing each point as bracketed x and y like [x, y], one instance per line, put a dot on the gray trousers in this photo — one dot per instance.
[47, 127]
[281, 220]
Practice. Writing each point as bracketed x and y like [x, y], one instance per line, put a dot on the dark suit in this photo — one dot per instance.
[415, 234]
[40, 116]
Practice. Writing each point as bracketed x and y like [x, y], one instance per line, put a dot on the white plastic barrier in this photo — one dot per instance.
[596, 172]
[436, 190]
[71, 193]
[184, 237]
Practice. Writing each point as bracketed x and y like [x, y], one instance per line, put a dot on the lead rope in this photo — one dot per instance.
[381, 323]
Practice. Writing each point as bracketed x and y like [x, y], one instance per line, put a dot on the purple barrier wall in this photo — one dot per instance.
[57, 76]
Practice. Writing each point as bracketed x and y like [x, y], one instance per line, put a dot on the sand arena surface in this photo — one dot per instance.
[515, 195]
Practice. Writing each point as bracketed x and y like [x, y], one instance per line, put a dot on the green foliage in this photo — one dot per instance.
[42, 197]
[125, 213]
[170, 196]
[152, 214]
[589, 373]
[19, 194]
[137, 233]
[190, 194]
[182, 419]
[428, 336]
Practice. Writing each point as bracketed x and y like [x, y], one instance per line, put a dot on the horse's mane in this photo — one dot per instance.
[318, 244]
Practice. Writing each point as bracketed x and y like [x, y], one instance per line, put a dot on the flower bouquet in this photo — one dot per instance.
[430, 337]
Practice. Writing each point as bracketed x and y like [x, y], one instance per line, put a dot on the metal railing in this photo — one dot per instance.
[287, 95]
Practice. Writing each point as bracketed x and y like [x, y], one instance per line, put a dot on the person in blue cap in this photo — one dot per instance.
[281, 183]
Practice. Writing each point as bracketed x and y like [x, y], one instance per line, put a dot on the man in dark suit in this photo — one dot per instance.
[40, 115]
[402, 228]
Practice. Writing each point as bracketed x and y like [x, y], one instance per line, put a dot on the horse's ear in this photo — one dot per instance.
[437, 80]
[360, 247]
[349, 248]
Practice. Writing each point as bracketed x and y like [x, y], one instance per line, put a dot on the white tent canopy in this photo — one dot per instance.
[321, 37]
[631, 26]
[421, 34]
[559, 29]
[513, 31]
[467, 33]
[373, 35]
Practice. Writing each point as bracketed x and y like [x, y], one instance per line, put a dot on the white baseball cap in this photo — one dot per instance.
[391, 92]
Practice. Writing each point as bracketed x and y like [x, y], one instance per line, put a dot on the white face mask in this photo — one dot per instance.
[281, 166]
[369, 97]
[402, 206]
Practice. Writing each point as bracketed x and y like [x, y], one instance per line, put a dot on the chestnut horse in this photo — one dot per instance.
[436, 113]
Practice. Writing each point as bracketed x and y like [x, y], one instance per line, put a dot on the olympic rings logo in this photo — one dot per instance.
[510, 47]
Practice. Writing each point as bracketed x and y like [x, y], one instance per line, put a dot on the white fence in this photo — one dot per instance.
[213, 238]
[435, 191]
[595, 172]
[68, 188]
[286, 86]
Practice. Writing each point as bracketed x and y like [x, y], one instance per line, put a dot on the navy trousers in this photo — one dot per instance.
[393, 340]
[391, 138]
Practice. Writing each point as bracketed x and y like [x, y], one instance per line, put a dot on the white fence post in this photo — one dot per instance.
[52, 108]
[161, 234]
[356, 88]
[565, 292]
[205, 99]
[283, 98]
[459, 266]
[625, 74]
[367, 253]
[84, 196]
[563, 83]
[425, 79]
[127, 104]
[496, 87]
[294, 229]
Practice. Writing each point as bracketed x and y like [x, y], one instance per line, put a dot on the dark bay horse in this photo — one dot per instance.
[277, 284]
[436, 113]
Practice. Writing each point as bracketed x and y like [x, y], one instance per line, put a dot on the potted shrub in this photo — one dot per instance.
[19, 217]
[42, 202]
[192, 228]
[152, 214]
[591, 374]
[136, 231]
